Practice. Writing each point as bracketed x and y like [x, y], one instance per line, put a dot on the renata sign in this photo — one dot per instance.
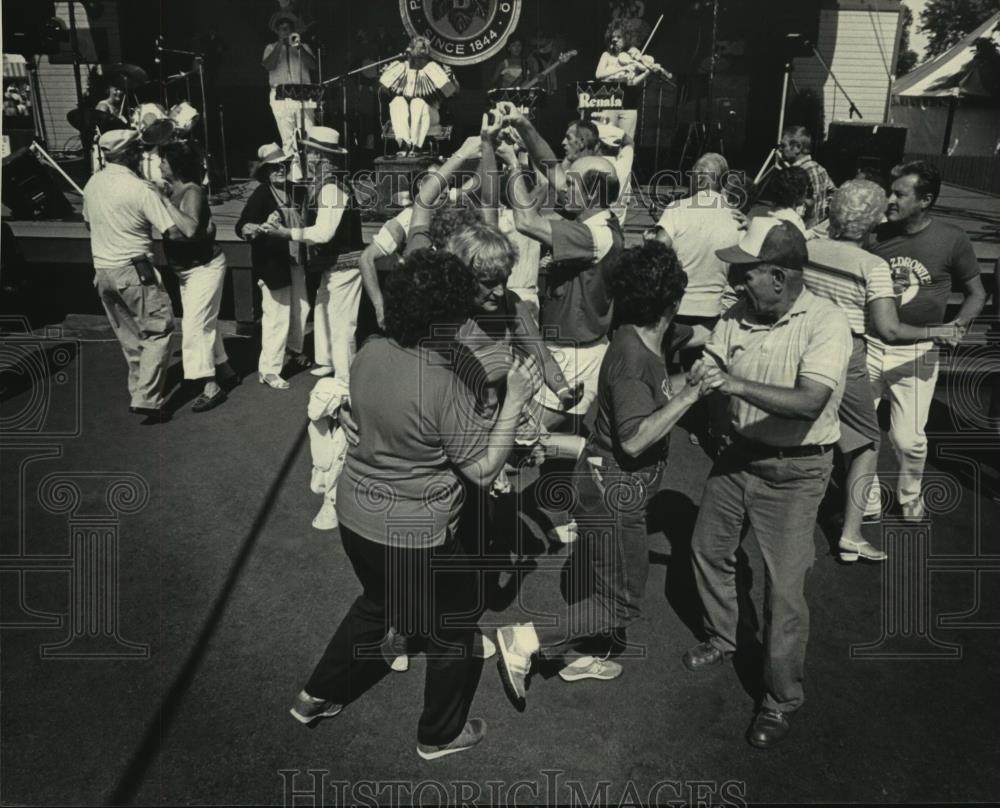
[462, 32]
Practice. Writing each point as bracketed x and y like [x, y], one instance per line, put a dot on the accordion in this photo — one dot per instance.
[430, 81]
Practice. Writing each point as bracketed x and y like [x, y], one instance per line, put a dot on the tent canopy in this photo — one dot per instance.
[968, 69]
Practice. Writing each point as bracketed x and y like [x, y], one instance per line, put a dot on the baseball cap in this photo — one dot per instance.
[117, 140]
[768, 240]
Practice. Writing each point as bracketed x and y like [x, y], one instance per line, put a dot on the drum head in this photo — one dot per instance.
[184, 117]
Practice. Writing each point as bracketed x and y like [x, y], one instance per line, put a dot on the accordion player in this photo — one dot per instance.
[417, 84]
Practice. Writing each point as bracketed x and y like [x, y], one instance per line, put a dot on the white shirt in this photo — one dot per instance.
[122, 209]
[698, 226]
[332, 202]
[524, 275]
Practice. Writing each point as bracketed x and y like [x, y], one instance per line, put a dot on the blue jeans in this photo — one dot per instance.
[610, 512]
[780, 497]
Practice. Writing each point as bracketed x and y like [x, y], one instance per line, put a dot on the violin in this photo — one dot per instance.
[635, 59]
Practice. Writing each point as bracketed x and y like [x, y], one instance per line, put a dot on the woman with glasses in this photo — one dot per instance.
[283, 286]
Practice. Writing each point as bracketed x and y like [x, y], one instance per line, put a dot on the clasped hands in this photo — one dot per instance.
[706, 377]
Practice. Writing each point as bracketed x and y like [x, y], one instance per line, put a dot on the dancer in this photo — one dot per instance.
[284, 303]
[200, 266]
[415, 436]
[121, 210]
[619, 471]
[335, 317]
[927, 256]
[781, 355]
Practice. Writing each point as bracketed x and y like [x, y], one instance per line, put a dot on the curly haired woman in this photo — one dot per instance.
[620, 469]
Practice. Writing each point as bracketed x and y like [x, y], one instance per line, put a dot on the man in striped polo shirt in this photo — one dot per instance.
[860, 283]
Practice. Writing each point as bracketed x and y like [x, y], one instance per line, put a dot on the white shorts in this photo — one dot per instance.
[578, 365]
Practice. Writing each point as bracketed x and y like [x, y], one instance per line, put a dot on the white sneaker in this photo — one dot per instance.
[321, 370]
[516, 645]
[400, 664]
[326, 519]
[589, 667]
[568, 533]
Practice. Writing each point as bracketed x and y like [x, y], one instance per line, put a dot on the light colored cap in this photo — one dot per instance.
[117, 141]
[325, 139]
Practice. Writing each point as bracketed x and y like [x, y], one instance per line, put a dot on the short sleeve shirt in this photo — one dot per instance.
[633, 384]
[925, 266]
[121, 209]
[417, 425]
[848, 276]
[576, 308]
[812, 340]
[698, 226]
[387, 239]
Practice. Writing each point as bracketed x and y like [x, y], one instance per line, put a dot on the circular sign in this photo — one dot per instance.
[462, 32]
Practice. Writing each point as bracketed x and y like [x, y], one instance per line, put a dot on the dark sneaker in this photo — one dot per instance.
[308, 709]
[472, 734]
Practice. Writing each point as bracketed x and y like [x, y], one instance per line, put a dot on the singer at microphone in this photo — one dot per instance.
[288, 60]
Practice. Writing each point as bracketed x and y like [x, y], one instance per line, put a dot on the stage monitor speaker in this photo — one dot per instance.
[30, 28]
[30, 190]
[395, 175]
[854, 145]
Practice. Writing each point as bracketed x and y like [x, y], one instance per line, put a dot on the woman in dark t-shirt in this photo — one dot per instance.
[398, 502]
[620, 469]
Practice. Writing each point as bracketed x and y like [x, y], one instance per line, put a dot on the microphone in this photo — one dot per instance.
[159, 49]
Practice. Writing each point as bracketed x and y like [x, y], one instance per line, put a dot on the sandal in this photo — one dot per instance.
[273, 380]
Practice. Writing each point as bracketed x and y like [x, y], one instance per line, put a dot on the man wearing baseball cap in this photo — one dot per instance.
[121, 209]
[781, 355]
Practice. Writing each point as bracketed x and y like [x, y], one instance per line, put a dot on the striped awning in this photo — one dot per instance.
[951, 73]
[14, 66]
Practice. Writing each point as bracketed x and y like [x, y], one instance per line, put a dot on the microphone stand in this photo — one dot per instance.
[343, 92]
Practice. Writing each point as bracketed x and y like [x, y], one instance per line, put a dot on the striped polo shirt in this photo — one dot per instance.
[849, 276]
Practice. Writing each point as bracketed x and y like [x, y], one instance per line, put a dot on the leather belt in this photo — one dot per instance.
[761, 451]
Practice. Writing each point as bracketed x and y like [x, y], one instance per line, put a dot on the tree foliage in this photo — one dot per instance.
[945, 22]
[907, 58]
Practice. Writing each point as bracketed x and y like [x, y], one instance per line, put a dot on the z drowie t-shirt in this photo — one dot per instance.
[925, 266]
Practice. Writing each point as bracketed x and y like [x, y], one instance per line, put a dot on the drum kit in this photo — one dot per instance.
[155, 124]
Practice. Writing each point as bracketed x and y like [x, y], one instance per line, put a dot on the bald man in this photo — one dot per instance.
[576, 309]
[696, 227]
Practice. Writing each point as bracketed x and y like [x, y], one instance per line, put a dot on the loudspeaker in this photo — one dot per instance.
[30, 190]
[30, 27]
[854, 145]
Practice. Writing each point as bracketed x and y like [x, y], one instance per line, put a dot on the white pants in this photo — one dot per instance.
[336, 318]
[906, 375]
[201, 294]
[286, 115]
[411, 120]
[282, 322]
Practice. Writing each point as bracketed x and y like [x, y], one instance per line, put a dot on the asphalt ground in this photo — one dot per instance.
[222, 597]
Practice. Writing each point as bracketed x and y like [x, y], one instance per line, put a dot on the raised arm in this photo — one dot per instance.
[539, 151]
[272, 56]
[489, 175]
[527, 218]
[435, 184]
